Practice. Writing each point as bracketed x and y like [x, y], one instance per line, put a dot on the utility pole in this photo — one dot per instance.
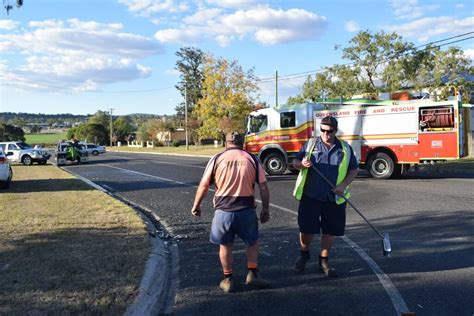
[186, 114]
[276, 88]
[111, 126]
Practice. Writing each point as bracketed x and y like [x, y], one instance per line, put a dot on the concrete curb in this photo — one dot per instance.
[159, 284]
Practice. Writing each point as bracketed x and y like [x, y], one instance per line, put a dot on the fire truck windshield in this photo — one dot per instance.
[257, 123]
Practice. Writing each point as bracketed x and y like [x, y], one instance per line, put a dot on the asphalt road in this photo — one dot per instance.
[430, 221]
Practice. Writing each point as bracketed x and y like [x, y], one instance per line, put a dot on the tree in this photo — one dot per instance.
[7, 4]
[101, 118]
[372, 52]
[160, 129]
[122, 128]
[190, 66]
[227, 98]
[336, 81]
[35, 129]
[92, 132]
[9, 133]
[439, 71]
[385, 62]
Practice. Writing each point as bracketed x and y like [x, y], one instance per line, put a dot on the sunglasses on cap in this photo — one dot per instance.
[328, 131]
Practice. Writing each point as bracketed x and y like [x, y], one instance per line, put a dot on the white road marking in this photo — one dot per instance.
[390, 288]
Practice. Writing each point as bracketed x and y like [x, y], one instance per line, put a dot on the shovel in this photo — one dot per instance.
[387, 247]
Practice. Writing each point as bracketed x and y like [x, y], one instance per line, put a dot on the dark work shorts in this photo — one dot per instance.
[226, 224]
[315, 216]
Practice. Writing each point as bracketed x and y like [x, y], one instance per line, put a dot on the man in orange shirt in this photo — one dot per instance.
[234, 173]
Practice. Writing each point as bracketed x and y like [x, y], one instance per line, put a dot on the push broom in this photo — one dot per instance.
[387, 247]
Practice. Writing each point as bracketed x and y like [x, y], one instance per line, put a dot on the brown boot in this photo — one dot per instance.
[227, 285]
[325, 268]
[254, 279]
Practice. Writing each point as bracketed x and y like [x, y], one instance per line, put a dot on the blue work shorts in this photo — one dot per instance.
[316, 216]
[227, 224]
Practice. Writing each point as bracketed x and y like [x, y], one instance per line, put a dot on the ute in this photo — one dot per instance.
[387, 136]
[70, 151]
[24, 153]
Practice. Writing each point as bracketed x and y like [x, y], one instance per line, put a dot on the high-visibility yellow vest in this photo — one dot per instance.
[341, 175]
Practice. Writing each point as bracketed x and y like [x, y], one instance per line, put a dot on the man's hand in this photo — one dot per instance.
[306, 163]
[339, 190]
[196, 210]
[264, 215]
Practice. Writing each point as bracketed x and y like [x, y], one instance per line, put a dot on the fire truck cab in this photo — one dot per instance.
[276, 134]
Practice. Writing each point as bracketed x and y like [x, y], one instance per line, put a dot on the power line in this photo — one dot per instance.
[411, 50]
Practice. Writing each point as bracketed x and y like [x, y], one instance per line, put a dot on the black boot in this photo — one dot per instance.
[325, 268]
[300, 263]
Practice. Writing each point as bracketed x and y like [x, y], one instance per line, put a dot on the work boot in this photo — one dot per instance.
[227, 285]
[300, 263]
[254, 279]
[325, 268]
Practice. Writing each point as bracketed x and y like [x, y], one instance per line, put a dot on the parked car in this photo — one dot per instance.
[93, 149]
[70, 151]
[6, 173]
[24, 153]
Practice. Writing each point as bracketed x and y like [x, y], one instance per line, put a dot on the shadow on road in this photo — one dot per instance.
[48, 185]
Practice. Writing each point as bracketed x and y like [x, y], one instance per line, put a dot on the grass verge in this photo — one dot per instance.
[66, 248]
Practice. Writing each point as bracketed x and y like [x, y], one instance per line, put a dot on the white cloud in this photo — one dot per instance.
[235, 4]
[202, 16]
[8, 25]
[469, 53]
[224, 40]
[81, 55]
[190, 35]
[426, 28]
[266, 25]
[46, 24]
[150, 7]
[459, 6]
[351, 26]
[410, 9]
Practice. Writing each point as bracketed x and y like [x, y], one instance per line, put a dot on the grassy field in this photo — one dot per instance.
[66, 248]
[44, 138]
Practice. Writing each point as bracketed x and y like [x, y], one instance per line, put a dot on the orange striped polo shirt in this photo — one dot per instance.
[234, 173]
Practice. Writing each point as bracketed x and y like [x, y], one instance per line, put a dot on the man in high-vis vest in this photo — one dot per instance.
[322, 209]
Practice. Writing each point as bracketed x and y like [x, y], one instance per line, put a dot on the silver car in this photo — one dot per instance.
[6, 173]
[24, 153]
[93, 149]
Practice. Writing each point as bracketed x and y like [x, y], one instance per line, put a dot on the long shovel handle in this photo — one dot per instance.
[347, 200]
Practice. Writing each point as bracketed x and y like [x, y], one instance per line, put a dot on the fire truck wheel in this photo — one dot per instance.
[274, 164]
[381, 166]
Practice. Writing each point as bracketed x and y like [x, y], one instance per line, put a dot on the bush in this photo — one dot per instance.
[176, 143]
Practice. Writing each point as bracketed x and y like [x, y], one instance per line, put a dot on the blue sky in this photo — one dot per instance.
[80, 56]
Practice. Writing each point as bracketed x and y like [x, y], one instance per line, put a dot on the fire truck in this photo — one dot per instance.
[387, 136]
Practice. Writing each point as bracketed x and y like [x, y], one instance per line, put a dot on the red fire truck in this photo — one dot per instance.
[387, 136]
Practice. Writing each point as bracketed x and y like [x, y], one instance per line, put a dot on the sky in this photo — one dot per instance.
[81, 56]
